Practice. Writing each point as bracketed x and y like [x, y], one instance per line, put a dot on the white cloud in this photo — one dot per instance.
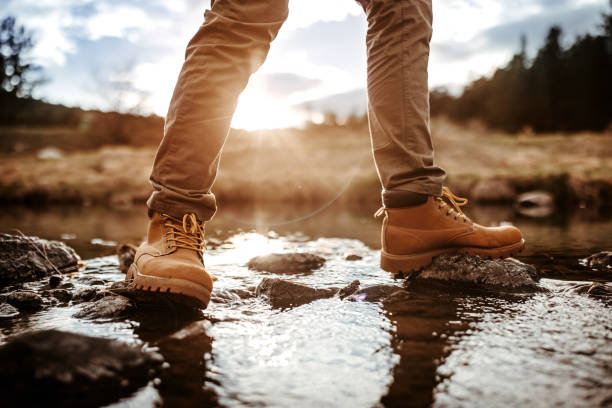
[157, 79]
[109, 21]
[303, 13]
[157, 32]
[461, 20]
[48, 21]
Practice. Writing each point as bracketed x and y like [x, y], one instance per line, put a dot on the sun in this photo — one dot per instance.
[256, 110]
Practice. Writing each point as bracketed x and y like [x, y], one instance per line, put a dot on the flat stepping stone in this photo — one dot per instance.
[283, 294]
[286, 263]
[55, 368]
[468, 271]
[107, 307]
[24, 259]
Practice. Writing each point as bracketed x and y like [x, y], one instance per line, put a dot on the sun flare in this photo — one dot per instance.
[256, 110]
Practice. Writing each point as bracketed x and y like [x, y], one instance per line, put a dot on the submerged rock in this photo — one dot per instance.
[107, 307]
[25, 300]
[63, 295]
[601, 261]
[125, 254]
[349, 289]
[84, 294]
[53, 368]
[286, 263]
[281, 293]
[460, 270]
[7, 311]
[535, 203]
[376, 293]
[493, 191]
[30, 258]
[230, 295]
[399, 296]
[55, 280]
[353, 257]
[595, 289]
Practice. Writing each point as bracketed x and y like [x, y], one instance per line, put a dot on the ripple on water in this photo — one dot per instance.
[328, 352]
[550, 349]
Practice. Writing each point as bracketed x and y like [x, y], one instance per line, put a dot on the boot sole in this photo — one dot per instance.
[407, 264]
[180, 290]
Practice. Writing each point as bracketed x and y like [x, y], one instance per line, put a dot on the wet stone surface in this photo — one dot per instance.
[107, 307]
[25, 300]
[84, 294]
[63, 295]
[125, 254]
[353, 257]
[7, 311]
[465, 271]
[25, 259]
[283, 294]
[601, 261]
[55, 280]
[286, 263]
[68, 369]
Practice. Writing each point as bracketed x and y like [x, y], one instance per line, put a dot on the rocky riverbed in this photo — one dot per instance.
[298, 321]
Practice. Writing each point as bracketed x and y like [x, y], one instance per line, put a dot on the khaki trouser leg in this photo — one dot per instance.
[232, 43]
[397, 41]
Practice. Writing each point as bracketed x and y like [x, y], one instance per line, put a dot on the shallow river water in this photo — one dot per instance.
[439, 348]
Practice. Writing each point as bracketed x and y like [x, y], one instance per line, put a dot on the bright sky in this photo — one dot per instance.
[126, 54]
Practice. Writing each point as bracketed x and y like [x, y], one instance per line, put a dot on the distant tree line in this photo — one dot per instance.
[560, 90]
[56, 125]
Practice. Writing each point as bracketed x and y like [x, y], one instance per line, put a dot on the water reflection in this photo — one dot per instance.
[422, 327]
[88, 229]
[181, 337]
[549, 349]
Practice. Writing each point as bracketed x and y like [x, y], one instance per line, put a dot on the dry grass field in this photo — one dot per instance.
[324, 163]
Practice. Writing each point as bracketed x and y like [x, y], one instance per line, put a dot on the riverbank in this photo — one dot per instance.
[323, 164]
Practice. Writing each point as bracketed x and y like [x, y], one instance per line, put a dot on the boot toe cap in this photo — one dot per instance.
[177, 269]
[504, 236]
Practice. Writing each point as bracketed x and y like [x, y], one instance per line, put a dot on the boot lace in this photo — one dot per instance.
[187, 233]
[456, 204]
[455, 210]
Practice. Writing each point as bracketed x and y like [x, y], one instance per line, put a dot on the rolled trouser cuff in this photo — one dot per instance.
[411, 194]
[203, 205]
[399, 198]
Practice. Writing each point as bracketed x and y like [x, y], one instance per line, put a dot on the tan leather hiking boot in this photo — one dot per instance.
[412, 236]
[170, 260]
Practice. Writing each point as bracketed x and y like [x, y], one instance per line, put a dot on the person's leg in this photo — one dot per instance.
[419, 224]
[397, 41]
[231, 44]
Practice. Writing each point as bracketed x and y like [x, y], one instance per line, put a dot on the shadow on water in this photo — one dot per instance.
[421, 329]
[179, 334]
